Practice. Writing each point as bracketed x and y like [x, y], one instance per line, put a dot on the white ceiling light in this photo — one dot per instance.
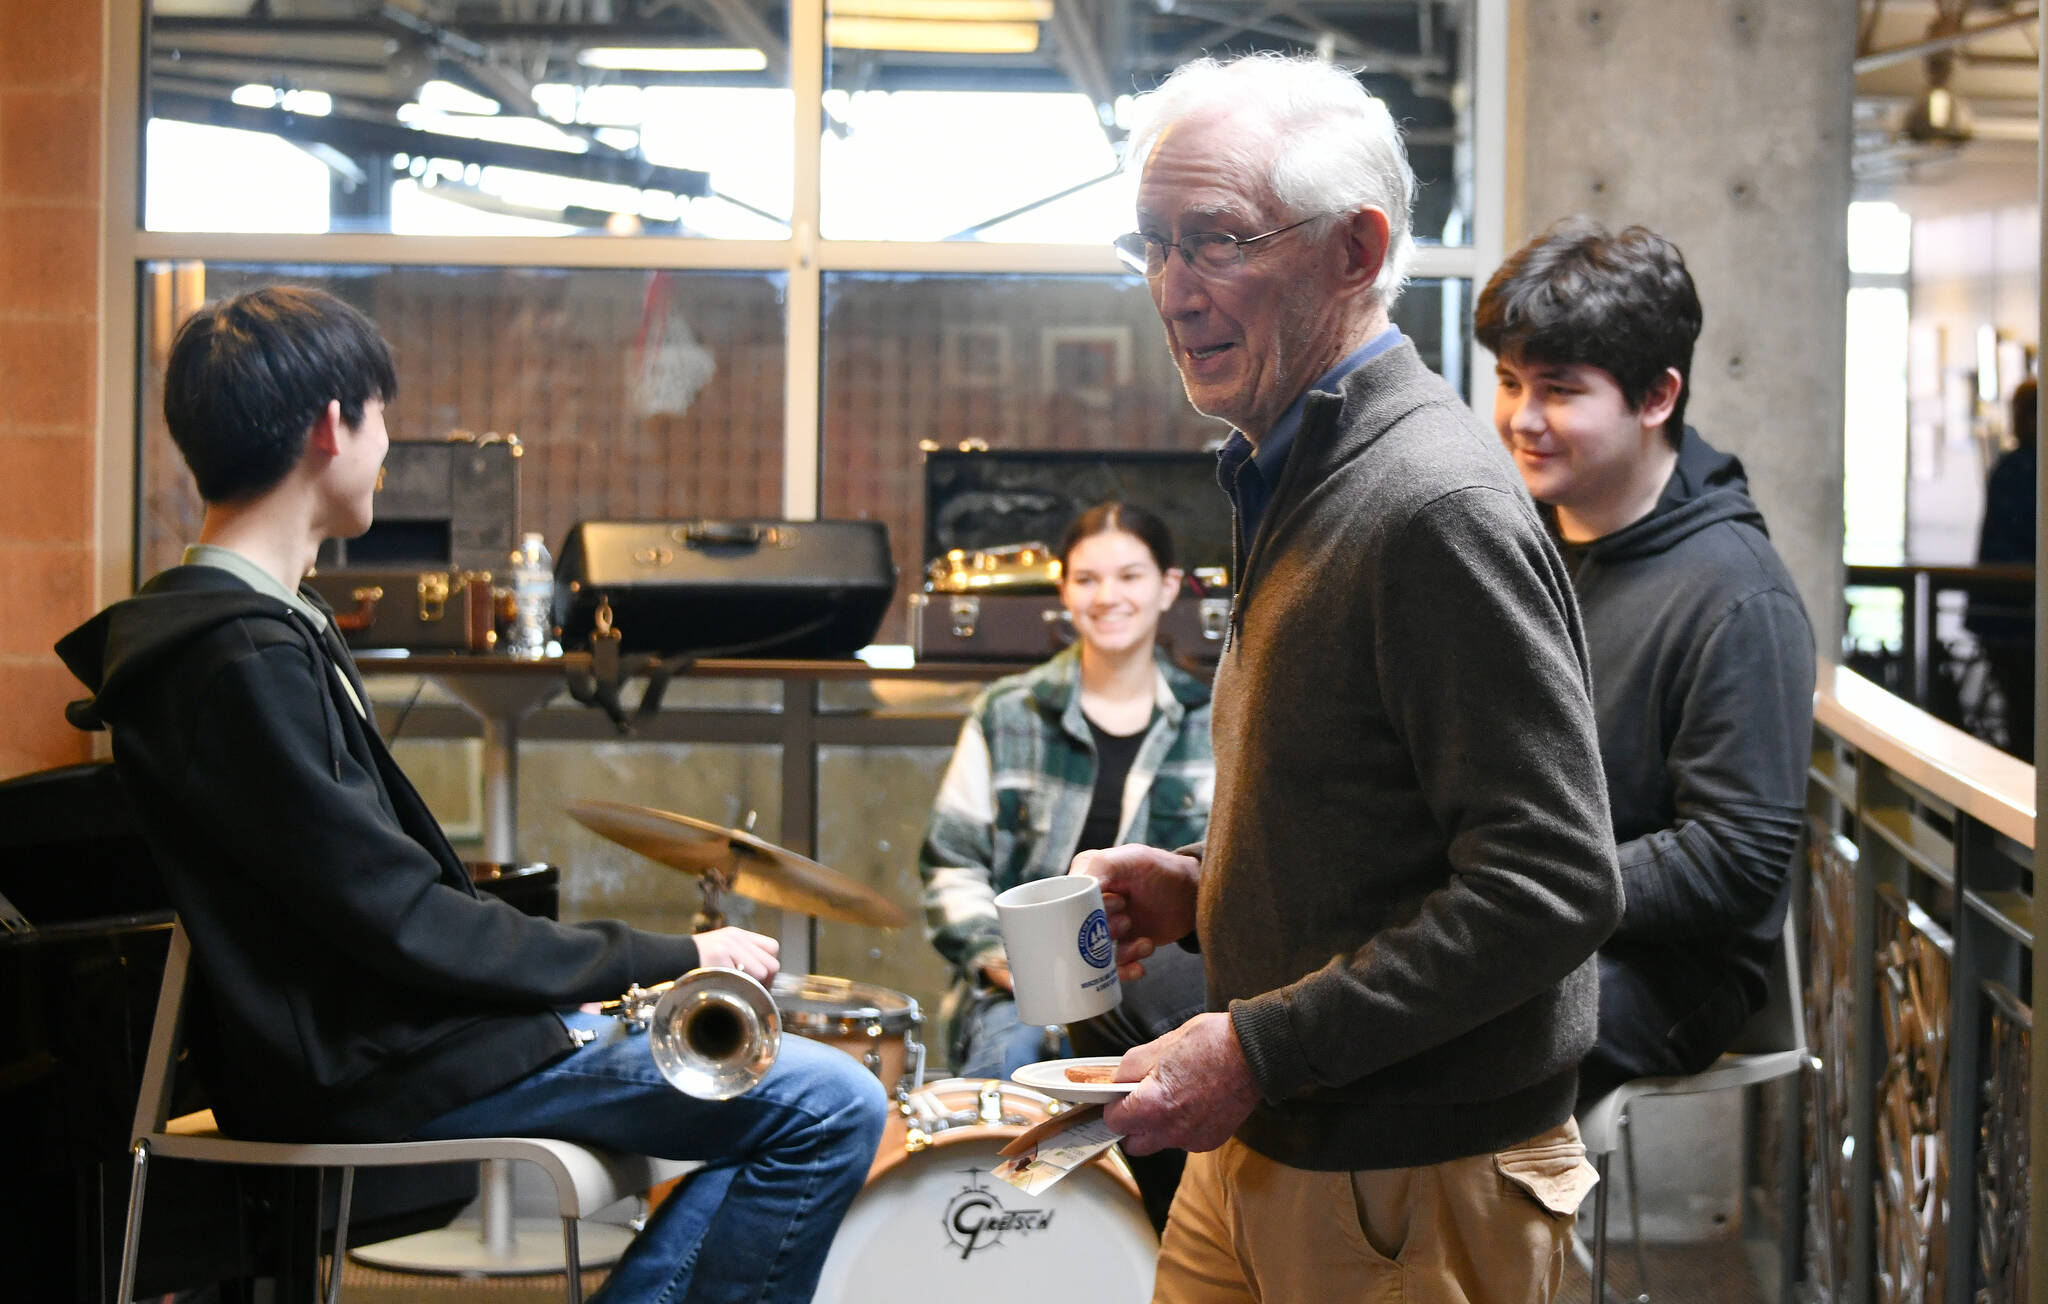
[447, 97]
[672, 58]
[937, 37]
[977, 11]
[314, 104]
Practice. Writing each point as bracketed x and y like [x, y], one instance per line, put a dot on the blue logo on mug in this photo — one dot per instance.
[1095, 940]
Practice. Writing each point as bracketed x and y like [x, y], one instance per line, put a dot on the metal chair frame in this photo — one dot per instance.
[585, 1179]
[1772, 1045]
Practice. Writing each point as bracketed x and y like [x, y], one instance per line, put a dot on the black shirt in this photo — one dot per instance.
[1113, 756]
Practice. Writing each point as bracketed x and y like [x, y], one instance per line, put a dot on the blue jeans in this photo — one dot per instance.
[997, 1043]
[782, 1161]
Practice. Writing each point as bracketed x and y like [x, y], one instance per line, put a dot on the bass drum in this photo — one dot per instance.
[933, 1214]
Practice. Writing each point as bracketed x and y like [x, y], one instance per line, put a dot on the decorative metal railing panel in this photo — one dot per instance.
[2002, 1164]
[1830, 1022]
[1912, 1177]
[1920, 920]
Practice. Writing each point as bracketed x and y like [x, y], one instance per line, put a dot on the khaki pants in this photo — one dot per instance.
[1489, 1229]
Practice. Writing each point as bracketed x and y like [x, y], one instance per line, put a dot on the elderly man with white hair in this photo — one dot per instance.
[1409, 864]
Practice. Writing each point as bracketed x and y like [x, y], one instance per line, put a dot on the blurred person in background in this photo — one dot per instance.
[1106, 743]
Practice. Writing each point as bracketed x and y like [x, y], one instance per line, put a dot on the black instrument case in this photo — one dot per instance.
[761, 588]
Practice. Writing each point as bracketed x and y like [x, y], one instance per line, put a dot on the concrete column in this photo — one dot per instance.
[1724, 126]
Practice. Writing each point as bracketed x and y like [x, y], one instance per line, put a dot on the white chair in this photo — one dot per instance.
[1771, 1045]
[585, 1179]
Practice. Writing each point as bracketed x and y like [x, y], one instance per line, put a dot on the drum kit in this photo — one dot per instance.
[715, 1032]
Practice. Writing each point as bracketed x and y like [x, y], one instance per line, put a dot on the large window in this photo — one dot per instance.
[1014, 361]
[633, 393]
[994, 120]
[455, 119]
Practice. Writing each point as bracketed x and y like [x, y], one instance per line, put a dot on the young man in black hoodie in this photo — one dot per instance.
[1703, 659]
[350, 983]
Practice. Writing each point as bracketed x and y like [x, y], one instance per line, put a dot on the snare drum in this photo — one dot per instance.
[932, 1214]
[873, 1024]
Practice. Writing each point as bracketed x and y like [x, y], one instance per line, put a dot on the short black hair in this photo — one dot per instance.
[1577, 295]
[1132, 520]
[2024, 408]
[248, 376]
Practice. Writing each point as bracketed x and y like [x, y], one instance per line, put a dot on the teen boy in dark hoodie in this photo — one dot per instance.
[351, 985]
[1703, 661]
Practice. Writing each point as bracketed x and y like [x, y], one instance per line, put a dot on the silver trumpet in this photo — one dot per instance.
[714, 1032]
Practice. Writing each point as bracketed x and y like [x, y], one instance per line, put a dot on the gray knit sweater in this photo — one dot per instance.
[1409, 861]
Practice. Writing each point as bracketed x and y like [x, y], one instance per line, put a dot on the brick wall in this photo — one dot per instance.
[50, 73]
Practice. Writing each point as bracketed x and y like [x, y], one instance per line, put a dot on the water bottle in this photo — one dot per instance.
[533, 594]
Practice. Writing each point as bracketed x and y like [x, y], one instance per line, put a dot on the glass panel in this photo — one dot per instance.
[1880, 239]
[602, 880]
[872, 806]
[1018, 362]
[467, 119]
[1005, 119]
[635, 394]
[1875, 452]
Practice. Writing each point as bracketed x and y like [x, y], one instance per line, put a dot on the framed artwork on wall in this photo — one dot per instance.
[1086, 363]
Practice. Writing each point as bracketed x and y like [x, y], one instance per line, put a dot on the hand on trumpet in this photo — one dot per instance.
[735, 948]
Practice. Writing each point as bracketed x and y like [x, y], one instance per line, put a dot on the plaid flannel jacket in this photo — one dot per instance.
[1014, 798]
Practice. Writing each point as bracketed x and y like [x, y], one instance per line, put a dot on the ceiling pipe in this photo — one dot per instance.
[1936, 44]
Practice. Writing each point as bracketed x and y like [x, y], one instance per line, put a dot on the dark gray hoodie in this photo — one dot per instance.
[1703, 672]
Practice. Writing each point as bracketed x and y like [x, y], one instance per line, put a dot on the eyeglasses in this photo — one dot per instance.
[1210, 253]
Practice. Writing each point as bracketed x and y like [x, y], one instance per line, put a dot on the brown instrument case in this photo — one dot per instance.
[431, 572]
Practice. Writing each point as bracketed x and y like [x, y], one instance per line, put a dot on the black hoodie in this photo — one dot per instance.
[1703, 673]
[352, 984]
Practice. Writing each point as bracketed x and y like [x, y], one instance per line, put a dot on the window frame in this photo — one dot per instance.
[803, 257]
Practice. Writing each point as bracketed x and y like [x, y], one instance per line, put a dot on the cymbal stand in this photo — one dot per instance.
[714, 884]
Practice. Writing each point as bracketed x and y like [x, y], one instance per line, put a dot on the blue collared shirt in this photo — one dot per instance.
[1249, 471]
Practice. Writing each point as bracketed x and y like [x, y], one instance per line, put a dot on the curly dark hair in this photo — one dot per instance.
[248, 376]
[1577, 295]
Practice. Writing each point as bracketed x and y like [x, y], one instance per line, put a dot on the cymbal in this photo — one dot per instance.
[757, 870]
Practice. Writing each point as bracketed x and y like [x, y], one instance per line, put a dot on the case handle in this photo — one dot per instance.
[363, 614]
[723, 534]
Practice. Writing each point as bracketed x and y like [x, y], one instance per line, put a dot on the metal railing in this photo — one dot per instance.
[1954, 621]
[1920, 910]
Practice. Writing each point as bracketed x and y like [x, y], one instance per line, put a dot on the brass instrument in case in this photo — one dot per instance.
[1012, 566]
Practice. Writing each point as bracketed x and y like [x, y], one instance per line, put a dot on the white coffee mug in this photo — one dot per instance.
[1062, 960]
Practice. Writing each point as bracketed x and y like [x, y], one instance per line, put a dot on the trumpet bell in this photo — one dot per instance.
[714, 1033]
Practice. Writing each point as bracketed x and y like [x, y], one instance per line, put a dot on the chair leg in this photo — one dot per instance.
[305, 1279]
[572, 1261]
[1826, 1199]
[132, 1243]
[1600, 1230]
[1635, 1217]
[348, 1192]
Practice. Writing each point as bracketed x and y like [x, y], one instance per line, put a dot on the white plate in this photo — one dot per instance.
[1051, 1077]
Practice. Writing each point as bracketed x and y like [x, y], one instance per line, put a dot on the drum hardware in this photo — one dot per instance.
[922, 1120]
[713, 1032]
[733, 860]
